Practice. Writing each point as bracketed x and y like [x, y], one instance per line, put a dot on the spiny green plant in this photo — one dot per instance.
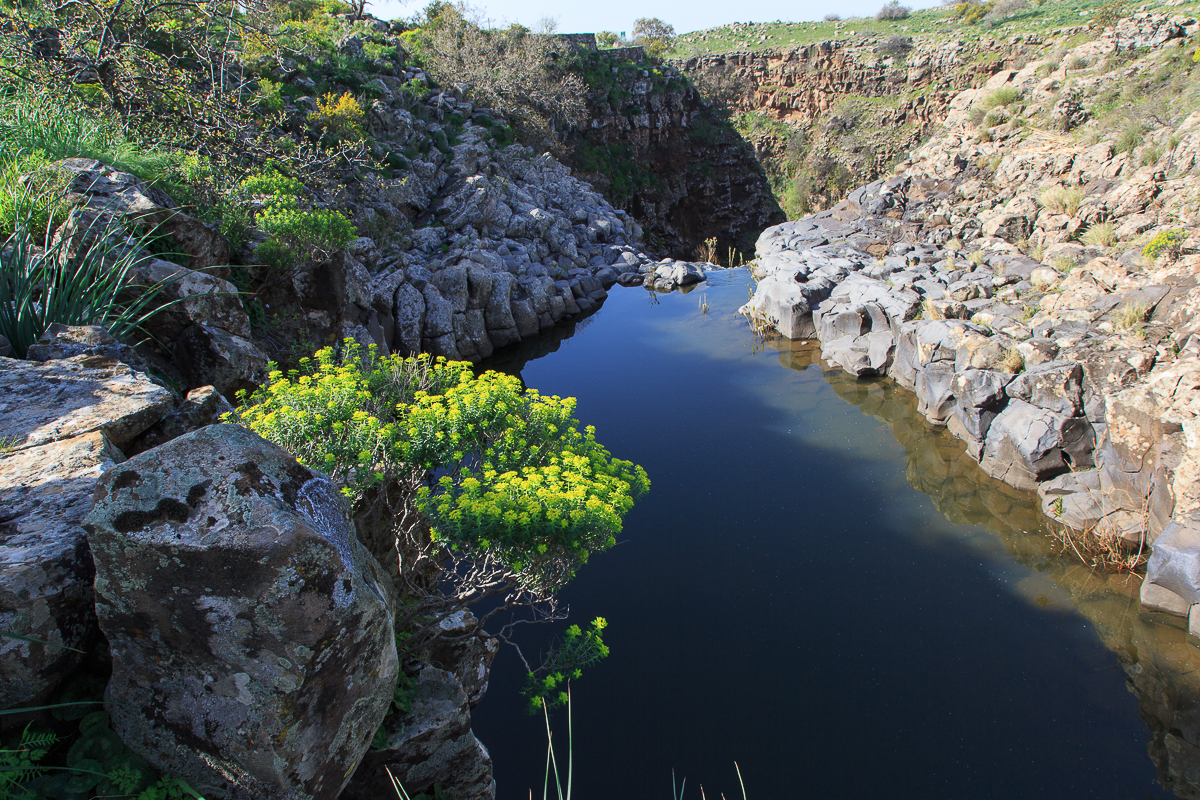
[82, 278]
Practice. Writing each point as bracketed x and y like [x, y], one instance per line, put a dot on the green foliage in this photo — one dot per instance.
[297, 232]
[1167, 243]
[616, 164]
[272, 183]
[341, 116]
[78, 279]
[654, 35]
[517, 478]
[19, 762]
[547, 688]
[1004, 96]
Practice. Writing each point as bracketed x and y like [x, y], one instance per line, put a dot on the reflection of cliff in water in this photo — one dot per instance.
[1162, 667]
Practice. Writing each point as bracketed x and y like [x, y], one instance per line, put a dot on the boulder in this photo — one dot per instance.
[46, 584]
[251, 634]
[1026, 444]
[210, 356]
[1175, 563]
[432, 743]
[43, 403]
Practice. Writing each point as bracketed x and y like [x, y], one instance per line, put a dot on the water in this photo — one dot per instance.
[826, 590]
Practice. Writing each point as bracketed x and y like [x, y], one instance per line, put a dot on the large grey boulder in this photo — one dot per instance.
[1175, 563]
[432, 743]
[251, 634]
[1026, 444]
[46, 578]
[43, 403]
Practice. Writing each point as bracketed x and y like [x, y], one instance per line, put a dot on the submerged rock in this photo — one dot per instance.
[251, 634]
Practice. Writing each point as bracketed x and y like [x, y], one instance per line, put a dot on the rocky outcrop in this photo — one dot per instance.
[201, 323]
[1067, 367]
[433, 743]
[837, 113]
[657, 149]
[62, 423]
[46, 579]
[233, 592]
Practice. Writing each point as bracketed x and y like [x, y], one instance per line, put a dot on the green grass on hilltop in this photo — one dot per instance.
[1039, 17]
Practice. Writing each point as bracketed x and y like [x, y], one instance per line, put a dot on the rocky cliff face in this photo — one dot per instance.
[659, 151]
[1036, 291]
[826, 116]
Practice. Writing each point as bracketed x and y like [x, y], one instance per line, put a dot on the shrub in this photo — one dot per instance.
[272, 183]
[1167, 243]
[1102, 234]
[1060, 200]
[895, 45]
[498, 471]
[654, 34]
[1003, 9]
[973, 11]
[339, 115]
[833, 17]
[297, 232]
[892, 11]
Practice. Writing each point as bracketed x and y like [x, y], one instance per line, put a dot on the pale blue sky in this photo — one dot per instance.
[618, 15]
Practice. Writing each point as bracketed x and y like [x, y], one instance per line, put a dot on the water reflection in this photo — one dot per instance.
[1160, 663]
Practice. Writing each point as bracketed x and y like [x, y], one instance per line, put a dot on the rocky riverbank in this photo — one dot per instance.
[1066, 361]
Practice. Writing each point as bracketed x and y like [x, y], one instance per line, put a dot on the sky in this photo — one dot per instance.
[619, 15]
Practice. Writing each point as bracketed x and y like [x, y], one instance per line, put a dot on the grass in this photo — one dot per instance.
[1013, 362]
[33, 123]
[1102, 234]
[1131, 315]
[1061, 200]
[1063, 265]
[79, 279]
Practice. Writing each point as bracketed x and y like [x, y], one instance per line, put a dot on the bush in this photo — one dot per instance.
[510, 70]
[1129, 138]
[341, 116]
[893, 11]
[1003, 9]
[833, 17]
[499, 472]
[297, 233]
[973, 11]
[1167, 243]
[895, 45]
[654, 35]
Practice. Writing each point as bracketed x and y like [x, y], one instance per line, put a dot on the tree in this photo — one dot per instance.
[654, 35]
[511, 70]
[609, 39]
[146, 55]
[893, 11]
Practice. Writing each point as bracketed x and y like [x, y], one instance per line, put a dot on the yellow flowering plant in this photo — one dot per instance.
[505, 471]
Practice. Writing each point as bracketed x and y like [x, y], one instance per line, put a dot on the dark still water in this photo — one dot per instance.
[827, 591]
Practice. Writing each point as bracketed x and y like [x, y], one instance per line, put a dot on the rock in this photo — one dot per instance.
[1026, 444]
[46, 585]
[1074, 499]
[209, 356]
[432, 743]
[1156, 598]
[64, 341]
[6, 348]
[107, 190]
[1056, 386]
[1175, 563]
[202, 406]
[43, 403]
[233, 591]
